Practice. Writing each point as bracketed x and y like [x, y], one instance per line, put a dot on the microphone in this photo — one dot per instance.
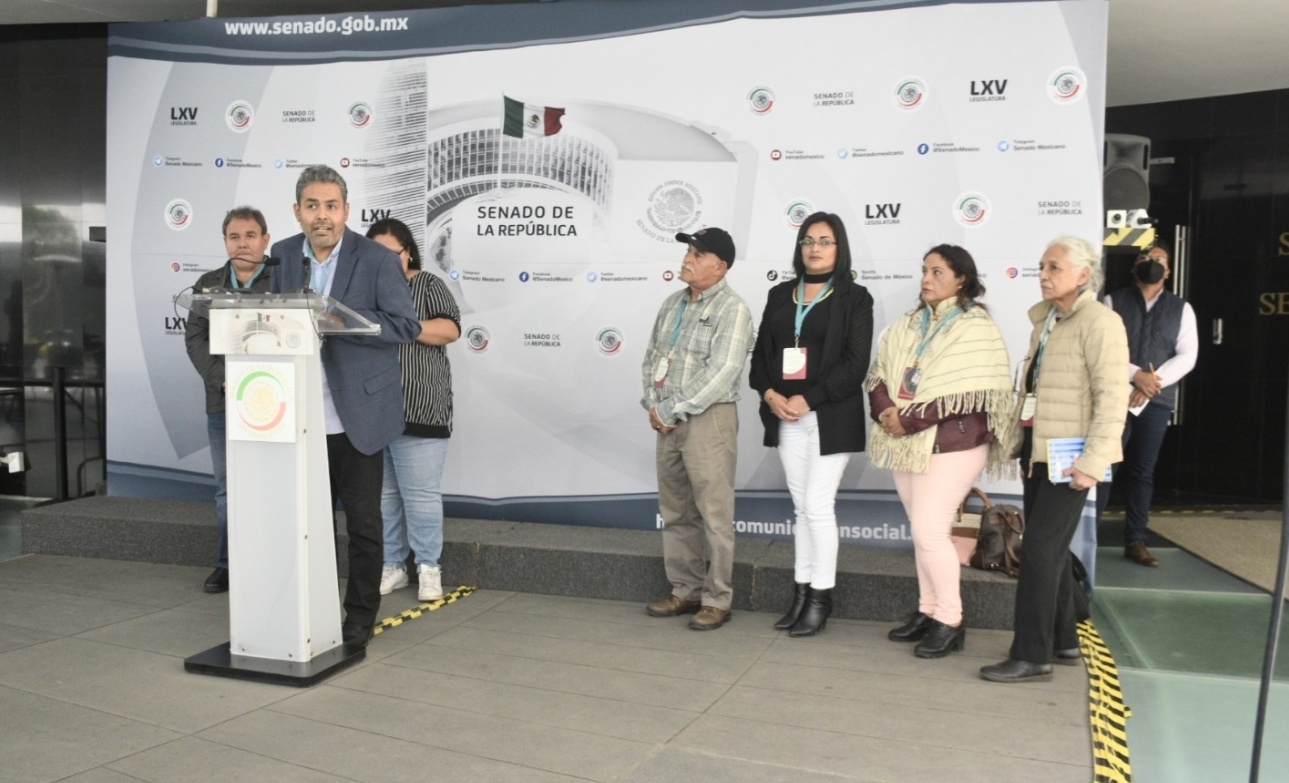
[308, 272]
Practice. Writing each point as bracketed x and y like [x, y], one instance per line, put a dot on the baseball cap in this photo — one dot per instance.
[711, 240]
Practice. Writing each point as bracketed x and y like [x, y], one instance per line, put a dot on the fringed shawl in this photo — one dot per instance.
[964, 368]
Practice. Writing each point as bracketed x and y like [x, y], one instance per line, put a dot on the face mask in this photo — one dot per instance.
[1149, 272]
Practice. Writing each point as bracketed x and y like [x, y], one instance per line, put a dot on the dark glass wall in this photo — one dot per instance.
[53, 85]
[1228, 180]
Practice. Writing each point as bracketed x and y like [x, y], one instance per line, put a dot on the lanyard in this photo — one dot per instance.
[1042, 345]
[238, 284]
[803, 309]
[926, 323]
[675, 333]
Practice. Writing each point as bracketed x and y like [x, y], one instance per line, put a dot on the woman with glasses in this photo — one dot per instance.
[808, 365]
[412, 499]
[941, 394]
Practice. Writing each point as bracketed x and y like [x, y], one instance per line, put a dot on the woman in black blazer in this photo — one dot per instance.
[808, 365]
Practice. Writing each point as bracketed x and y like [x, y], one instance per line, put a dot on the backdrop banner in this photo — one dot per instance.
[546, 154]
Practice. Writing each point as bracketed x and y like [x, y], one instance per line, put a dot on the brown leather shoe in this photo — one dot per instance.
[671, 606]
[709, 618]
[1139, 554]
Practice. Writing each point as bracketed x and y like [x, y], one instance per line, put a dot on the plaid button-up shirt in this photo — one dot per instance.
[706, 362]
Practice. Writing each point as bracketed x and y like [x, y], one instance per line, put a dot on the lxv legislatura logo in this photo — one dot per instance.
[239, 116]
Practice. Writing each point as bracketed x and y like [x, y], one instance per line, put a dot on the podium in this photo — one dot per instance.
[283, 598]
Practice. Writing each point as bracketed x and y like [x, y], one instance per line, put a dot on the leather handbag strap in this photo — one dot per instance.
[984, 500]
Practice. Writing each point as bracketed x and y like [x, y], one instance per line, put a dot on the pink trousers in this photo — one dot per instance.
[931, 500]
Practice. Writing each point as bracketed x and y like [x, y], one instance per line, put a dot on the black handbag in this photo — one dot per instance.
[998, 544]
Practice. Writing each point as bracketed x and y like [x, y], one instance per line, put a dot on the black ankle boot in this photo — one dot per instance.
[913, 630]
[798, 603]
[814, 615]
[941, 640]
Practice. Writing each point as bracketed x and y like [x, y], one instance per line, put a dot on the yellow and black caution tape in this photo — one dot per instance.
[1107, 713]
[428, 606]
[1130, 236]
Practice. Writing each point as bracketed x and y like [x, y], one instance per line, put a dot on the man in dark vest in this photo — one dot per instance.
[1162, 344]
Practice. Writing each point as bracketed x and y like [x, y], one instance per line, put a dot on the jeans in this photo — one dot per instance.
[411, 501]
[217, 430]
[812, 481]
[1143, 437]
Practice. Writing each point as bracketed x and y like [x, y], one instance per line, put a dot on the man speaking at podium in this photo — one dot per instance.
[362, 388]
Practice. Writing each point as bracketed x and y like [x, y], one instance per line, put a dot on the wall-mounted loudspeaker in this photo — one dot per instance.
[1126, 177]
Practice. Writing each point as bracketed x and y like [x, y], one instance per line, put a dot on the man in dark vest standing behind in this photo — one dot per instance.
[1162, 344]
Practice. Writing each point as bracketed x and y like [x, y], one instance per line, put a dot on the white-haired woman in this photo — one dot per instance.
[1072, 386]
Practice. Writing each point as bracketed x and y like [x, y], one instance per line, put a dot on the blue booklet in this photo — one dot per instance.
[1062, 453]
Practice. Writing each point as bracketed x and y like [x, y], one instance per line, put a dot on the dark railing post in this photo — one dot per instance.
[60, 434]
[1273, 633]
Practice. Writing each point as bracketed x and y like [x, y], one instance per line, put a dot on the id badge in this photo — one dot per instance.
[660, 372]
[909, 383]
[794, 364]
[1027, 410]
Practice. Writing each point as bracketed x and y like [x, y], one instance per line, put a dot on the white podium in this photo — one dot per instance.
[283, 598]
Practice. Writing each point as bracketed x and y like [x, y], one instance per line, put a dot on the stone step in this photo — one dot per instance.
[529, 557]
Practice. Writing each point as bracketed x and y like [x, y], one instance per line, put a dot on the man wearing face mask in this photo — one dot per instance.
[1163, 344]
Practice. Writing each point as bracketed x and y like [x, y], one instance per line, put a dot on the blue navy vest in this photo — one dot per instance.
[1152, 336]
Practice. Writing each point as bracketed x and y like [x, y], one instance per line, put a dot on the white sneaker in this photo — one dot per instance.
[392, 577]
[431, 582]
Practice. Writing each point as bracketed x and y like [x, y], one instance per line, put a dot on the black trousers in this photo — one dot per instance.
[1045, 618]
[356, 480]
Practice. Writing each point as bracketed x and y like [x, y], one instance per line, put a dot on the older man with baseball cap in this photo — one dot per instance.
[691, 373]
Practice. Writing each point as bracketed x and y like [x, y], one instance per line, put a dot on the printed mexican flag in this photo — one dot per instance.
[527, 120]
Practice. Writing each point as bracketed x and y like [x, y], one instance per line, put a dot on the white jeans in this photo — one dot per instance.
[812, 480]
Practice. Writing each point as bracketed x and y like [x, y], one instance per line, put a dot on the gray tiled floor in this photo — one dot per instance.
[502, 687]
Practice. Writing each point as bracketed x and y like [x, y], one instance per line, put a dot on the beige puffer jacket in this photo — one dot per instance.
[1083, 390]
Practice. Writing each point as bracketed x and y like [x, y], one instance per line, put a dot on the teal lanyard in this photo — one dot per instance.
[803, 309]
[238, 284]
[1042, 346]
[675, 333]
[926, 323]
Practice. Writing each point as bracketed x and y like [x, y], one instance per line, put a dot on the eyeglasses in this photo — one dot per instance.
[821, 242]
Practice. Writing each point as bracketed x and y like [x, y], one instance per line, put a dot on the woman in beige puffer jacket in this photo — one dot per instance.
[1072, 386]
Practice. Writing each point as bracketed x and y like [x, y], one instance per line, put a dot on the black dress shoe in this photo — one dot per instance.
[1012, 670]
[217, 582]
[355, 635]
[798, 603]
[941, 640]
[1071, 657]
[913, 630]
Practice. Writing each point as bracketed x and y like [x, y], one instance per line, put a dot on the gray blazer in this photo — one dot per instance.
[363, 372]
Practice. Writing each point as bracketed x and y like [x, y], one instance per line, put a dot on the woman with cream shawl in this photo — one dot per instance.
[942, 397]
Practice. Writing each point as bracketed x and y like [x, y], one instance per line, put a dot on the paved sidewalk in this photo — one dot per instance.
[503, 687]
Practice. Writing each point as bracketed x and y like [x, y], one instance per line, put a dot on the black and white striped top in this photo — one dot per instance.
[427, 376]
